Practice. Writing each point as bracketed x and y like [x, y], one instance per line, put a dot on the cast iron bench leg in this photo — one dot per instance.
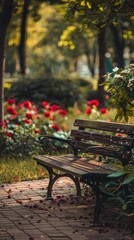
[100, 198]
[53, 177]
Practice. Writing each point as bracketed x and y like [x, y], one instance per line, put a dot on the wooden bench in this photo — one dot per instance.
[94, 138]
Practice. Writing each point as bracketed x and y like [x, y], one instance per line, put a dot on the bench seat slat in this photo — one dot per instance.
[57, 164]
[94, 164]
[79, 166]
[83, 163]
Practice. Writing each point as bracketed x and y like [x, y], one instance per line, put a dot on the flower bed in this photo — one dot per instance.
[24, 122]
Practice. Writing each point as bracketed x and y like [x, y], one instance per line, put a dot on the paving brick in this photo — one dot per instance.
[65, 218]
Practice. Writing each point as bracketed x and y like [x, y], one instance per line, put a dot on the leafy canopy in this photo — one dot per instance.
[100, 12]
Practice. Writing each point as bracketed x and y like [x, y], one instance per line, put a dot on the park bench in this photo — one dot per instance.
[90, 139]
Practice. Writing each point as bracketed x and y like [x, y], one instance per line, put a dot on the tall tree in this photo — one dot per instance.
[119, 45]
[29, 7]
[6, 10]
[22, 44]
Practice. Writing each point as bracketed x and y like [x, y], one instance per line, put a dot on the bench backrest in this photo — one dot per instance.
[105, 138]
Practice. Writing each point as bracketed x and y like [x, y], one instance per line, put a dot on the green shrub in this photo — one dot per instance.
[64, 92]
[120, 87]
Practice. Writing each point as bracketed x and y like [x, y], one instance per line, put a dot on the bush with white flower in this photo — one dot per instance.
[120, 87]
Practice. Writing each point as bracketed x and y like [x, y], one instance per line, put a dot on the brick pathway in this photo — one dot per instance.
[25, 215]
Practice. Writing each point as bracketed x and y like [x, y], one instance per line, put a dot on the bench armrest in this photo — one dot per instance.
[69, 141]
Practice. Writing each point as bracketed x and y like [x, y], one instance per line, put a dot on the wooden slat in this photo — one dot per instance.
[67, 159]
[100, 150]
[103, 138]
[106, 126]
[93, 168]
[45, 161]
[83, 161]
[76, 162]
[78, 166]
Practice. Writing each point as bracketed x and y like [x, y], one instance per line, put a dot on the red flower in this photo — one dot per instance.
[6, 121]
[44, 104]
[56, 127]
[12, 111]
[54, 107]
[37, 130]
[11, 101]
[63, 112]
[9, 134]
[88, 111]
[13, 116]
[120, 135]
[93, 102]
[27, 104]
[28, 121]
[107, 97]
[51, 118]
[20, 105]
[29, 115]
[47, 114]
[103, 110]
[15, 178]
[2, 124]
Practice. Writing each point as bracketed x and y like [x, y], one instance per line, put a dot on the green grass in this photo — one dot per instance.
[15, 170]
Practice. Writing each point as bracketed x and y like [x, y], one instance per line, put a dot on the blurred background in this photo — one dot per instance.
[50, 56]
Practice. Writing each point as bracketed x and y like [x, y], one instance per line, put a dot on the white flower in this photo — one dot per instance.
[115, 69]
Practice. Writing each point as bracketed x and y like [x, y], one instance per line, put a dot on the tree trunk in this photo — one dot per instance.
[5, 16]
[101, 46]
[119, 46]
[22, 44]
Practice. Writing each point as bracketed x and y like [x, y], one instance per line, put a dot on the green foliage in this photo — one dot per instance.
[120, 87]
[121, 186]
[98, 14]
[24, 122]
[126, 203]
[64, 92]
[126, 171]
[23, 141]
